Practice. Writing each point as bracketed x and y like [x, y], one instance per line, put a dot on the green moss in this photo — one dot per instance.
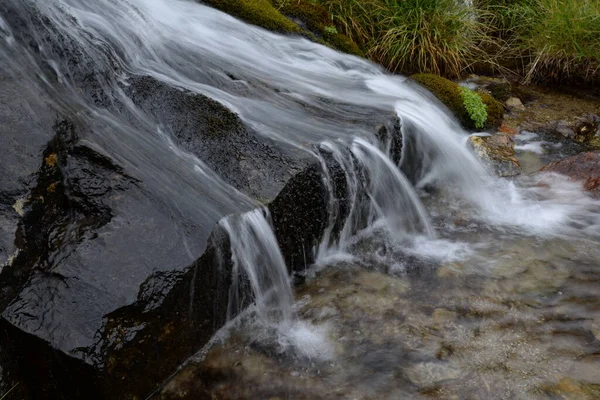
[475, 108]
[257, 12]
[315, 17]
[500, 91]
[345, 44]
[315, 22]
[450, 94]
[495, 110]
[330, 30]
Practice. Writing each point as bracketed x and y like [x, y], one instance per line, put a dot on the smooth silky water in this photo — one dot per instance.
[444, 282]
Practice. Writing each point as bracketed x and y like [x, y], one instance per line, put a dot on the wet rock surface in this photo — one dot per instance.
[583, 167]
[497, 152]
[24, 137]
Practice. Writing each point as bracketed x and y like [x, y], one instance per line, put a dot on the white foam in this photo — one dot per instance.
[533, 147]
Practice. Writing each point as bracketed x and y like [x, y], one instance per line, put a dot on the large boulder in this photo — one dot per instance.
[583, 167]
[105, 288]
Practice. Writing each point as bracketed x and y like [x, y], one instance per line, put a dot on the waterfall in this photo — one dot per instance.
[256, 257]
[289, 95]
[377, 193]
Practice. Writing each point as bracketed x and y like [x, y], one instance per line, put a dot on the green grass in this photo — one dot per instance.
[541, 40]
[564, 41]
[546, 40]
[535, 40]
[436, 36]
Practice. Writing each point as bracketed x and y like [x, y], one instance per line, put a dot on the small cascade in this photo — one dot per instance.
[258, 262]
[377, 193]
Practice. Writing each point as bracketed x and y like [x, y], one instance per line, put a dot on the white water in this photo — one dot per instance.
[256, 256]
[297, 94]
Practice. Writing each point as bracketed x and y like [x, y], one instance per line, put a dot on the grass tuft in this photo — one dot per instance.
[546, 40]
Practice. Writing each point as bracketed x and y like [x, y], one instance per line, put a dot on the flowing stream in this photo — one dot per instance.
[440, 280]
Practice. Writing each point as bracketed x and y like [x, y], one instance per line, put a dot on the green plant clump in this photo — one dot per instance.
[545, 40]
[330, 30]
[319, 22]
[451, 94]
[475, 107]
[437, 36]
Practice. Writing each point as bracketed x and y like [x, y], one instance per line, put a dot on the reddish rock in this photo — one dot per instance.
[582, 167]
[507, 129]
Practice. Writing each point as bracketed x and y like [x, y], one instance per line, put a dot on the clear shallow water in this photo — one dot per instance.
[483, 289]
[481, 312]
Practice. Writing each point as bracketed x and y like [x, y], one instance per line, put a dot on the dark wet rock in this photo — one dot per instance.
[23, 136]
[497, 152]
[391, 136]
[103, 289]
[300, 216]
[218, 137]
[584, 167]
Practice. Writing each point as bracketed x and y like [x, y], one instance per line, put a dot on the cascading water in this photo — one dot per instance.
[309, 103]
[377, 194]
[256, 257]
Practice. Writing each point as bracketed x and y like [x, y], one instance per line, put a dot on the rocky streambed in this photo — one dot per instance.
[483, 312]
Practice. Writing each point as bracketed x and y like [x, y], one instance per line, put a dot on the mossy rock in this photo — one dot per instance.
[289, 16]
[495, 110]
[345, 44]
[256, 12]
[449, 93]
[319, 21]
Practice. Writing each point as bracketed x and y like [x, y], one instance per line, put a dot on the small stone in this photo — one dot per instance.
[19, 207]
[508, 130]
[497, 152]
[562, 128]
[515, 103]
